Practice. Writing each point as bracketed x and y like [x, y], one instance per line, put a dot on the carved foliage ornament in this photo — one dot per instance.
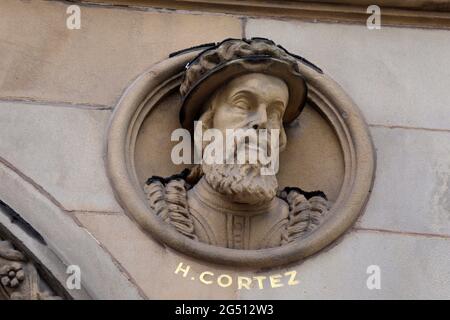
[19, 279]
[231, 213]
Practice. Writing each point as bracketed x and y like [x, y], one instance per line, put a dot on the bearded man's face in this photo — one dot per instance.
[251, 102]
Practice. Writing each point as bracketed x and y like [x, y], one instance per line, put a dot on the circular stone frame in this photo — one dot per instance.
[324, 94]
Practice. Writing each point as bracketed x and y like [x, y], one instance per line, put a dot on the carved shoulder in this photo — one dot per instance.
[167, 197]
[306, 212]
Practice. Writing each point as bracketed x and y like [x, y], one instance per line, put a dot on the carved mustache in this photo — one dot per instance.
[260, 147]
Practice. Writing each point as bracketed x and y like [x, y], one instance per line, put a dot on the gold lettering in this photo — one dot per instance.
[260, 281]
[202, 277]
[224, 285]
[244, 284]
[275, 281]
[184, 271]
[292, 281]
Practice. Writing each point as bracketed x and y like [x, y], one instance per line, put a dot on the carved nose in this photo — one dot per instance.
[261, 118]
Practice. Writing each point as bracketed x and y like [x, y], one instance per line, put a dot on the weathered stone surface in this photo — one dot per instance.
[395, 75]
[43, 59]
[411, 191]
[152, 265]
[412, 267]
[61, 149]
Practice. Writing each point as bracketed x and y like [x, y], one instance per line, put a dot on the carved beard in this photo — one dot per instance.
[243, 182]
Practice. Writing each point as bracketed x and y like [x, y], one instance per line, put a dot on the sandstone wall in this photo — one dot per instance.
[58, 89]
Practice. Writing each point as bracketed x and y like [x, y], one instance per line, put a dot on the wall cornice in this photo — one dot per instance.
[412, 13]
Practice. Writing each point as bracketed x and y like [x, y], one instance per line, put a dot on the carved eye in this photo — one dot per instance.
[242, 103]
[244, 100]
[276, 110]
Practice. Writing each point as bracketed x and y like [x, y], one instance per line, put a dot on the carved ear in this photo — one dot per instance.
[207, 119]
[207, 122]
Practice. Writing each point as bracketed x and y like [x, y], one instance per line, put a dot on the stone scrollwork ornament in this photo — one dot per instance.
[231, 213]
[19, 279]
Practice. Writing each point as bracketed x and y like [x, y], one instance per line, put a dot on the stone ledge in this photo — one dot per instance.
[415, 13]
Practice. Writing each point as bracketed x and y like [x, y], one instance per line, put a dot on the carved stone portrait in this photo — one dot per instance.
[233, 212]
[250, 85]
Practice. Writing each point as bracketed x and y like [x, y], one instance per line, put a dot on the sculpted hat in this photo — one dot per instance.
[220, 63]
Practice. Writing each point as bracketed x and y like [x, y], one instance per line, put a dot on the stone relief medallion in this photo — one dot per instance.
[309, 188]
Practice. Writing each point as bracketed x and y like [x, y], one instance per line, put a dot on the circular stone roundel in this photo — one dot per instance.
[328, 151]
